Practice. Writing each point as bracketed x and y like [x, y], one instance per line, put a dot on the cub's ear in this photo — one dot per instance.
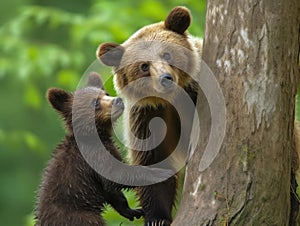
[95, 80]
[60, 100]
[178, 20]
[110, 54]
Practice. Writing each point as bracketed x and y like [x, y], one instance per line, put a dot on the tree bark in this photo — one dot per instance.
[252, 47]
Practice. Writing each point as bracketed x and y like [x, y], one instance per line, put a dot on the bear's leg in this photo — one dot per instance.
[157, 202]
[119, 202]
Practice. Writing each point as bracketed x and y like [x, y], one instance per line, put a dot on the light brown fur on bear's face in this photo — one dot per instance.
[144, 62]
[163, 51]
[158, 31]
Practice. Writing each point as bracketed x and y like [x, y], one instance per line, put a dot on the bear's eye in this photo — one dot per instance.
[145, 67]
[166, 56]
[96, 103]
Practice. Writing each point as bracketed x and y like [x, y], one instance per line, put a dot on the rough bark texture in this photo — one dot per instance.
[252, 48]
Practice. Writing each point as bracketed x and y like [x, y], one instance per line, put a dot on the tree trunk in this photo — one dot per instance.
[252, 47]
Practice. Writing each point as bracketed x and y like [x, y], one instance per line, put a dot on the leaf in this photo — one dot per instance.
[33, 97]
[33, 142]
[29, 220]
[153, 9]
[67, 78]
[2, 136]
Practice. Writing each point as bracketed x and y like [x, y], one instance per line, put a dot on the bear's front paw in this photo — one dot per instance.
[138, 213]
[158, 223]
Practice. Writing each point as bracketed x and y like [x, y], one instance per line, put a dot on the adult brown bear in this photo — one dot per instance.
[152, 71]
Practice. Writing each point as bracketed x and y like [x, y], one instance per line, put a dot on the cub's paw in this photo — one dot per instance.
[131, 214]
[138, 213]
[158, 223]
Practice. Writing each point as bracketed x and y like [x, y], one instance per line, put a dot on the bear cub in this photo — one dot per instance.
[72, 192]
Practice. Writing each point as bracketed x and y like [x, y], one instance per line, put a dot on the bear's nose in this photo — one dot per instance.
[118, 102]
[166, 80]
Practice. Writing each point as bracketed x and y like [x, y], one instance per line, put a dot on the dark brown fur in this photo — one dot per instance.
[71, 192]
[178, 20]
[158, 199]
[149, 46]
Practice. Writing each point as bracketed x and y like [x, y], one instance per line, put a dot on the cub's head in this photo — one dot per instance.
[87, 109]
[157, 59]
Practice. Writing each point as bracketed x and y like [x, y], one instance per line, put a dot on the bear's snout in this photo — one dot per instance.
[166, 80]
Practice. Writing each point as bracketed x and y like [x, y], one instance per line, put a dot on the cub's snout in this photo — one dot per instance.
[117, 107]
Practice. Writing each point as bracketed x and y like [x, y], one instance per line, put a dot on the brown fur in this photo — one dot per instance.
[167, 48]
[178, 20]
[71, 192]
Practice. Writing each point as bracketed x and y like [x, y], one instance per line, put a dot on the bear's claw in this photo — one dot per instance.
[158, 223]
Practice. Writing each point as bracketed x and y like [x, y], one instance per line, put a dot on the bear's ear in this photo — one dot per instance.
[110, 54]
[60, 100]
[95, 80]
[178, 20]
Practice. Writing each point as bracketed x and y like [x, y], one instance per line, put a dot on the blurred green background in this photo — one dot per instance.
[51, 44]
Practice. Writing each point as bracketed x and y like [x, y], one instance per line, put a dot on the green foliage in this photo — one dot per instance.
[50, 44]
